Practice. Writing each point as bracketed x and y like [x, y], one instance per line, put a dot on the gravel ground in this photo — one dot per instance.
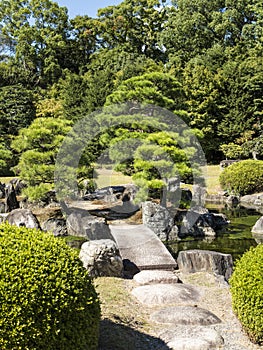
[216, 298]
[126, 323]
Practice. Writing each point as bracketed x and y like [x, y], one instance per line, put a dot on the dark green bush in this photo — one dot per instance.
[245, 177]
[47, 299]
[247, 292]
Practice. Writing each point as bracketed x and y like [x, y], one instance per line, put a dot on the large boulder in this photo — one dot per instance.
[252, 200]
[11, 200]
[101, 258]
[257, 231]
[57, 226]
[190, 261]
[200, 223]
[22, 217]
[85, 225]
[258, 227]
[157, 218]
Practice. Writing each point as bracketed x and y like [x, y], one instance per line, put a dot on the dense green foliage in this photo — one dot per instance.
[247, 292]
[48, 301]
[244, 177]
[38, 145]
[201, 59]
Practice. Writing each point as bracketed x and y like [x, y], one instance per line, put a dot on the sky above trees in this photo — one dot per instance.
[90, 8]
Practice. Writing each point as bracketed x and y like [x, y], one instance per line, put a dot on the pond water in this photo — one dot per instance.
[235, 238]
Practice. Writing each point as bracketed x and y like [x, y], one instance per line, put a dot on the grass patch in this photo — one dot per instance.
[117, 304]
[124, 322]
[212, 179]
[6, 179]
[108, 177]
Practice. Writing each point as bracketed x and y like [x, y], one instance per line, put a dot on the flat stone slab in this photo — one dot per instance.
[192, 338]
[165, 294]
[141, 246]
[185, 315]
[155, 276]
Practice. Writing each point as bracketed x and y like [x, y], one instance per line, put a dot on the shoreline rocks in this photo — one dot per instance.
[195, 222]
[190, 261]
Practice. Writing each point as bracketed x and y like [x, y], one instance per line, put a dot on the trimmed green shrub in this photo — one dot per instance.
[47, 299]
[244, 177]
[247, 292]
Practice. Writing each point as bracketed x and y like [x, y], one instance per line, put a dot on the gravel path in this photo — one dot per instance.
[215, 297]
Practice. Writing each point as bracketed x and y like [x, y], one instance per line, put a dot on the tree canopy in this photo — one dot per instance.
[199, 59]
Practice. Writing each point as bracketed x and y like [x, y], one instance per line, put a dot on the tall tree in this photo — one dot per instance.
[135, 25]
[156, 88]
[38, 145]
[37, 34]
[193, 26]
[241, 96]
[17, 109]
[202, 85]
[108, 69]
[83, 42]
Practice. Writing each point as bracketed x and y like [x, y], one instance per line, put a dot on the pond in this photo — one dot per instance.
[235, 238]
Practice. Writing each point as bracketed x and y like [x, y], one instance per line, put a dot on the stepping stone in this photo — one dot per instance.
[155, 276]
[185, 315]
[192, 338]
[164, 294]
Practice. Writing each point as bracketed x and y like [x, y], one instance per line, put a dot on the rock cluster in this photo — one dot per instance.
[196, 222]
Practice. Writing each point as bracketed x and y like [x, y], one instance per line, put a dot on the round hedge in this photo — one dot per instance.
[47, 299]
[247, 292]
[244, 177]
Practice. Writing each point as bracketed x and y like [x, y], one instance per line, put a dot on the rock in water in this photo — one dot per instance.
[258, 227]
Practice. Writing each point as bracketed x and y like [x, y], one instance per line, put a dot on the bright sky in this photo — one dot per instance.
[86, 7]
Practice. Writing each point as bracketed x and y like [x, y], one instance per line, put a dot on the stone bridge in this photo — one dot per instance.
[141, 246]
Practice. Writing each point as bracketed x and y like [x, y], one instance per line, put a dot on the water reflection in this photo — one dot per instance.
[234, 239]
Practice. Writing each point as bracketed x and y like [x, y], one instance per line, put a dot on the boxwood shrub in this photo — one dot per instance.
[244, 177]
[247, 292]
[47, 299]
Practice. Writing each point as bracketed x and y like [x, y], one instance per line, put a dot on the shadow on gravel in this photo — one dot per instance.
[114, 336]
